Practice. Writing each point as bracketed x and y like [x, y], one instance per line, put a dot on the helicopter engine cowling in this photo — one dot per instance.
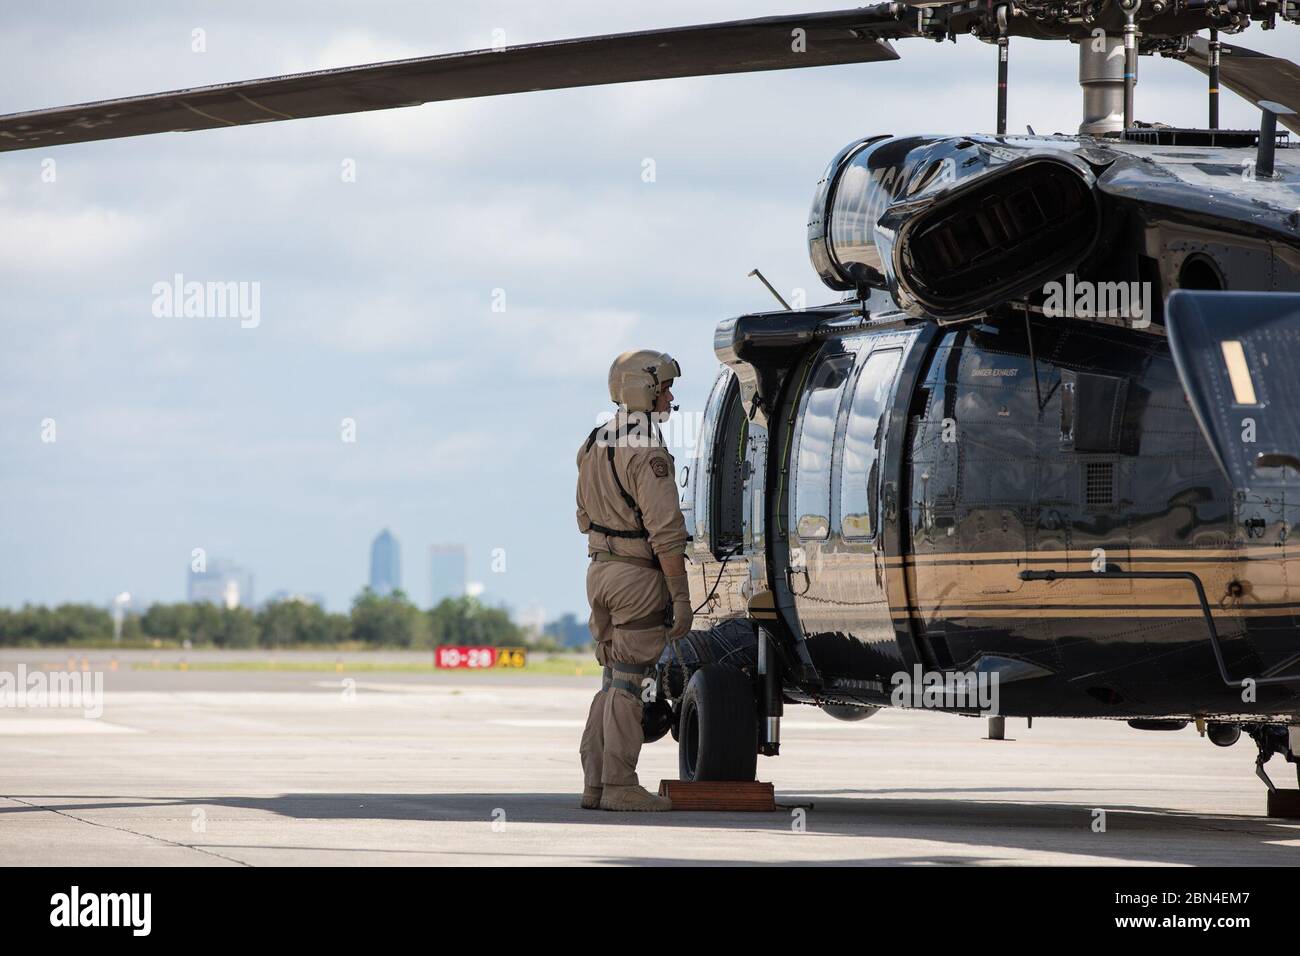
[952, 226]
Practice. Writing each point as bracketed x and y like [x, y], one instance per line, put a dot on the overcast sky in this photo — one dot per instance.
[376, 295]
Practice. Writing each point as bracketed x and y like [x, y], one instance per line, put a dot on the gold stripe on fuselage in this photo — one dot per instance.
[1118, 612]
[1144, 555]
[1239, 582]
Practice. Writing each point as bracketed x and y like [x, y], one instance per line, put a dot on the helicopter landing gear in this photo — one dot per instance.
[1276, 739]
[718, 727]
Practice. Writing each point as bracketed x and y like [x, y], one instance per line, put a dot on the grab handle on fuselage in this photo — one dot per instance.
[1200, 596]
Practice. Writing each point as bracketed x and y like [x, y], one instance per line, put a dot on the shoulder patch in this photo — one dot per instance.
[660, 467]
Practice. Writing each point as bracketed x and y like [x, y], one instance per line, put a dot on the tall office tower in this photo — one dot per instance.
[447, 572]
[385, 564]
[223, 582]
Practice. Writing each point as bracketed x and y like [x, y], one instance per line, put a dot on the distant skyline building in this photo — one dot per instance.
[385, 564]
[568, 631]
[448, 571]
[223, 583]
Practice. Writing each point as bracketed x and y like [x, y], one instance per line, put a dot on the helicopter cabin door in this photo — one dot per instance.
[713, 505]
[836, 569]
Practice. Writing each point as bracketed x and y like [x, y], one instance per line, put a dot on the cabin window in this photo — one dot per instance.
[860, 475]
[812, 482]
[727, 474]
[700, 502]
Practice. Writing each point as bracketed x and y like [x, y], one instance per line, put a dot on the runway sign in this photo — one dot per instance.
[479, 658]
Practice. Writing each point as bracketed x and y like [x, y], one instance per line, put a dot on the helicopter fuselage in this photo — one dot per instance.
[1022, 490]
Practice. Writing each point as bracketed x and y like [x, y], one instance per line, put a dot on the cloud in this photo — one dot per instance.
[67, 242]
[437, 372]
[549, 343]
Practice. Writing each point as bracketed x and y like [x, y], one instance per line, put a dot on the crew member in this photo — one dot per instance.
[636, 582]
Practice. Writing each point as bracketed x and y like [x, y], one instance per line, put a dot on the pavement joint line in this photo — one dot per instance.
[109, 826]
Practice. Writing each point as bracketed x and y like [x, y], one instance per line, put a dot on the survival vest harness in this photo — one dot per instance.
[628, 500]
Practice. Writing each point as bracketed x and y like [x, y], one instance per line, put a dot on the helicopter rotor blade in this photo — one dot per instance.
[737, 46]
[1251, 75]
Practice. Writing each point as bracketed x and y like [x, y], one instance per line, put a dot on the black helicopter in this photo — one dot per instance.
[1048, 439]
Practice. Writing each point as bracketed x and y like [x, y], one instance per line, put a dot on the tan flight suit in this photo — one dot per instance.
[629, 601]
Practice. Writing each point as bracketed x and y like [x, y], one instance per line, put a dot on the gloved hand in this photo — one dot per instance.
[680, 590]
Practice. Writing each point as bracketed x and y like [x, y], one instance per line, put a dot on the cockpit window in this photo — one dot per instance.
[860, 474]
[812, 456]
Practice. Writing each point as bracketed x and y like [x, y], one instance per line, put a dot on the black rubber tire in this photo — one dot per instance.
[718, 727]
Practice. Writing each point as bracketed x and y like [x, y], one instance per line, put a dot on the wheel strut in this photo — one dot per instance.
[770, 705]
[1270, 739]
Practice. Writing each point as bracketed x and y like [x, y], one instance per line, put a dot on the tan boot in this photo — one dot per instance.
[634, 798]
[591, 798]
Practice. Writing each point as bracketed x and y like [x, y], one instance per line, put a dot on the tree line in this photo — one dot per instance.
[375, 620]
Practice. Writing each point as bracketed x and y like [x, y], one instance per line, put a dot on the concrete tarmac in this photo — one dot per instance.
[230, 768]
